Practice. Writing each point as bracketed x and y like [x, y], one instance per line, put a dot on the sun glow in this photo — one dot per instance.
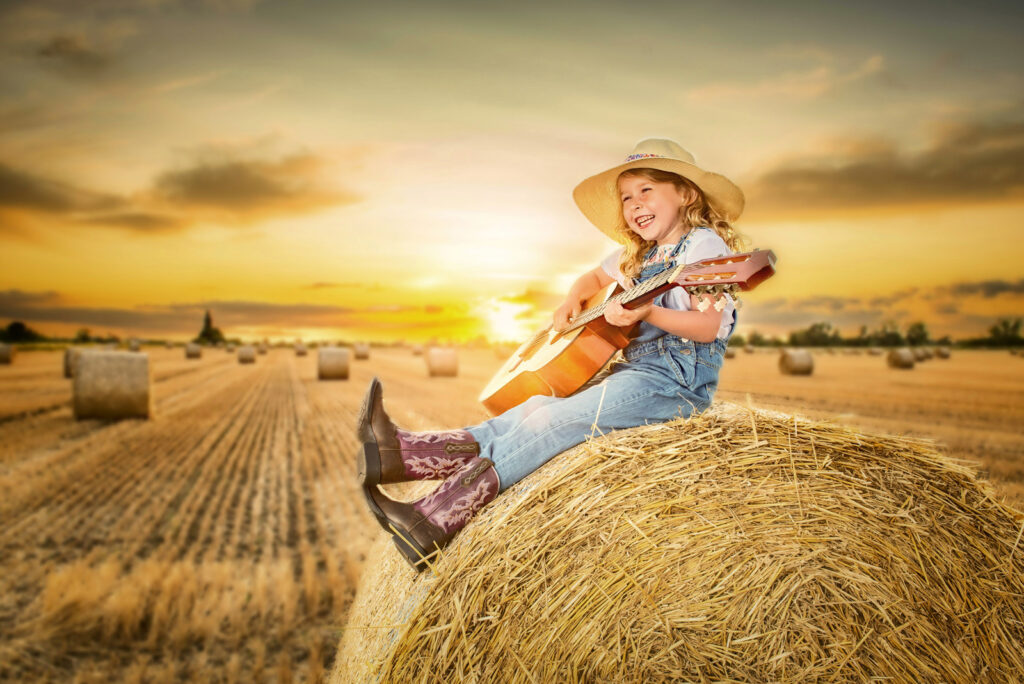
[506, 320]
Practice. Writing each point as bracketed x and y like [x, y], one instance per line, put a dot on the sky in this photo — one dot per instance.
[404, 170]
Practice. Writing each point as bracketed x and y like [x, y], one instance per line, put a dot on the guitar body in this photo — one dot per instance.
[555, 365]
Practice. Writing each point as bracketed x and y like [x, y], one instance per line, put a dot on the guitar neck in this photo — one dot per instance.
[632, 298]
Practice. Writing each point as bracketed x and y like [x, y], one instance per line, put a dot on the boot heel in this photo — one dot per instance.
[411, 552]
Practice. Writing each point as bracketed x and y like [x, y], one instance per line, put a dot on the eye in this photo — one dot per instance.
[645, 190]
[625, 198]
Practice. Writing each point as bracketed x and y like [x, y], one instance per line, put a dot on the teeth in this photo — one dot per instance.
[644, 220]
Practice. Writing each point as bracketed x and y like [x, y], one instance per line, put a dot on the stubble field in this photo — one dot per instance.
[222, 540]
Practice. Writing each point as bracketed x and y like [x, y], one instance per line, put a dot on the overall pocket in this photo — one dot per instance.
[681, 358]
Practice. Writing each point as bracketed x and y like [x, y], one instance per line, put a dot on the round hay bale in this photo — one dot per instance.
[193, 351]
[740, 545]
[247, 354]
[796, 362]
[112, 385]
[942, 352]
[168, 345]
[71, 361]
[749, 349]
[300, 349]
[262, 349]
[332, 363]
[830, 350]
[230, 349]
[900, 358]
[417, 350]
[875, 351]
[361, 351]
[730, 353]
[442, 362]
[134, 345]
[922, 353]
[6, 354]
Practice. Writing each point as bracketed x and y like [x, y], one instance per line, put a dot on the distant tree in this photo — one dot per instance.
[82, 336]
[209, 334]
[917, 334]
[757, 339]
[1006, 331]
[737, 341]
[888, 336]
[17, 331]
[817, 335]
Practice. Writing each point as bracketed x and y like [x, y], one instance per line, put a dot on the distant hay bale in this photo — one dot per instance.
[442, 362]
[300, 349]
[71, 361]
[6, 354]
[830, 351]
[112, 385]
[749, 349]
[922, 353]
[230, 349]
[730, 353]
[133, 345]
[193, 351]
[942, 352]
[262, 349]
[736, 546]
[900, 358]
[417, 350]
[332, 363]
[361, 351]
[247, 354]
[796, 362]
[168, 345]
[875, 351]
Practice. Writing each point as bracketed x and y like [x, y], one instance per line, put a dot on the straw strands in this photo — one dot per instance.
[739, 545]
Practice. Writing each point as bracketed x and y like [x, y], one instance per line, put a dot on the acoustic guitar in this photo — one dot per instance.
[557, 363]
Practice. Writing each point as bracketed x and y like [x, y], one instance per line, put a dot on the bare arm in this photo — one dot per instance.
[700, 326]
[585, 287]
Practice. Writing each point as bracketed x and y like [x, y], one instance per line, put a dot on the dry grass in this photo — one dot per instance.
[739, 546]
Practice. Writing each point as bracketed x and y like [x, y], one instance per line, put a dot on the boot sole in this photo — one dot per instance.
[412, 552]
[368, 466]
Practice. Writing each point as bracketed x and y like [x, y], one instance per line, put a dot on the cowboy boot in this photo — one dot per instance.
[425, 526]
[391, 454]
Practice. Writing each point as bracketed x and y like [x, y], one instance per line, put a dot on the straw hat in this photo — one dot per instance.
[598, 196]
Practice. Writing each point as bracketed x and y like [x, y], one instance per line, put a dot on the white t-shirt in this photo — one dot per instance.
[703, 244]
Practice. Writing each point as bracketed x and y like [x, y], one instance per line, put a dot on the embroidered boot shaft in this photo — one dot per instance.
[391, 454]
[423, 527]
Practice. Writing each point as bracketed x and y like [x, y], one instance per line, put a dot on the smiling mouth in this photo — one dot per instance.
[644, 221]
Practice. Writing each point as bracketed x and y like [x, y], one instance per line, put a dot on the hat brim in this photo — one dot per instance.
[598, 196]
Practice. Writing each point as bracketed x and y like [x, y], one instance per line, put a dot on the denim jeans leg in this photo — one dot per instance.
[525, 437]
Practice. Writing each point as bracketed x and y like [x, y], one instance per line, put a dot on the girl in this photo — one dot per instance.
[664, 209]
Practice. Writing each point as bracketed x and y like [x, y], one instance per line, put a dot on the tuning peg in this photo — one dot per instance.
[719, 303]
[703, 304]
[739, 303]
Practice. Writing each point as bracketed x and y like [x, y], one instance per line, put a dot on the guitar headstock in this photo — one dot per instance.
[719, 276]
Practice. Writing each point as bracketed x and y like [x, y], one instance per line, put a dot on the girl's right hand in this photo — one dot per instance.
[565, 313]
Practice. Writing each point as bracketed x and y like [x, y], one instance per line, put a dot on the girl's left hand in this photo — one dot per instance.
[616, 314]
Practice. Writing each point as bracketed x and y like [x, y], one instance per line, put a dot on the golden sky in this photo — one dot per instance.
[404, 170]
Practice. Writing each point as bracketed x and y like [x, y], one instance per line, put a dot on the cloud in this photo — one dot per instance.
[184, 316]
[988, 288]
[231, 191]
[808, 84]
[72, 56]
[966, 162]
[248, 189]
[21, 190]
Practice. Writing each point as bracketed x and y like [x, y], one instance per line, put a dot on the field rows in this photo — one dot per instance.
[222, 540]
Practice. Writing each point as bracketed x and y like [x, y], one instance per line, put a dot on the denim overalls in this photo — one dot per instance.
[663, 377]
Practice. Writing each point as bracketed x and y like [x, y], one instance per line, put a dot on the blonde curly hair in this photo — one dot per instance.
[697, 213]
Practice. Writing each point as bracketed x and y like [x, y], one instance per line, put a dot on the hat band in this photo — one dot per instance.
[634, 157]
